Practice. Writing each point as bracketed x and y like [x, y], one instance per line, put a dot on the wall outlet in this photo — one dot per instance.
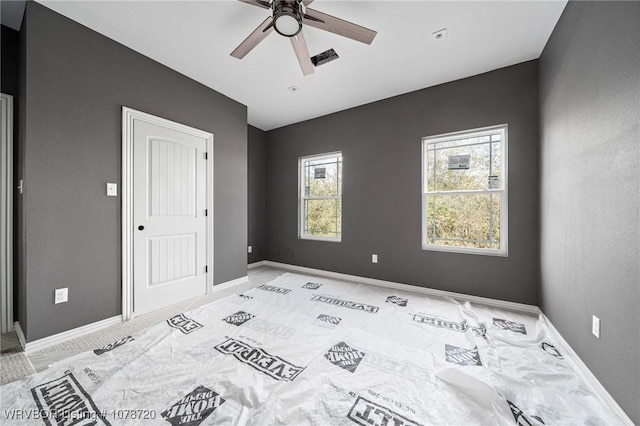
[374, 258]
[595, 326]
[250, 249]
[61, 295]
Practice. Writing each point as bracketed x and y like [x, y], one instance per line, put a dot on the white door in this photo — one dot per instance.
[169, 216]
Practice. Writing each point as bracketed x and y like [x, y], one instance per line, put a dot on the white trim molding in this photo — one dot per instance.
[239, 284]
[257, 264]
[129, 117]
[521, 307]
[501, 192]
[20, 334]
[6, 214]
[303, 196]
[230, 284]
[48, 341]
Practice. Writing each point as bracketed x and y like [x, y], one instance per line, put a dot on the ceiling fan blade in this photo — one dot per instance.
[254, 38]
[260, 3]
[330, 23]
[302, 52]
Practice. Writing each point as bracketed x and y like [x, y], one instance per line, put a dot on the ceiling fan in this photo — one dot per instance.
[287, 18]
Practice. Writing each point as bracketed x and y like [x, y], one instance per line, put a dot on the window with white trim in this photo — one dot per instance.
[320, 197]
[464, 191]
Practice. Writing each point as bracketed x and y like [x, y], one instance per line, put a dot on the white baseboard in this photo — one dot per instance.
[89, 328]
[581, 368]
[45, 342]
[229, 284]
[20, 334]
[513, 306]
[257, 264]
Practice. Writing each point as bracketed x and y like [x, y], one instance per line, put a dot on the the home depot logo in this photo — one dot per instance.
[274, 289]
[112, 346]
[344, 356]
[183, 324]
[64, 402]
[193, 408]
[397, 300]
[271, 365]
[367, 413]
[346, 304]
[238, 318]
[329, 319]
[312, 286]
[461, 356]
[504, 324]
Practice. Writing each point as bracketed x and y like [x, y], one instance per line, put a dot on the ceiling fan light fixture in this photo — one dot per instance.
[287, 17]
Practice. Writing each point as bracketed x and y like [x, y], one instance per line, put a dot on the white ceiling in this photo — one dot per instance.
[196, 38]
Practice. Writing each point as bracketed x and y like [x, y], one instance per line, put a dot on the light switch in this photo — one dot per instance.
[112, 190]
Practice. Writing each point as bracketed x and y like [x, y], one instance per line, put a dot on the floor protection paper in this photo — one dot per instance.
[303, 350]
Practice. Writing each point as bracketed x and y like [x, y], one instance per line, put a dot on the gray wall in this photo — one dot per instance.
[381, 146]
[76, 84]
[590, 189]
[257, 197]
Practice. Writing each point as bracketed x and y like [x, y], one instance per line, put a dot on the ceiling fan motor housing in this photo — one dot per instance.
[287, 17]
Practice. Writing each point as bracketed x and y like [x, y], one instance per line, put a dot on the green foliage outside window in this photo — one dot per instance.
[322, 197]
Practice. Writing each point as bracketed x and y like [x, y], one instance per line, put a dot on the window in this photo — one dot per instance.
[320, 200]
[464, 195]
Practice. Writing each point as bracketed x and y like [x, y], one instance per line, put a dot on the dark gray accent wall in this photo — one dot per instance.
[590, 189]
[381, 147]
[76, 84]
[257, 198]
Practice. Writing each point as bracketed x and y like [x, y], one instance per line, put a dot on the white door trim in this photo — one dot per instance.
[6, 214]
[129, 116]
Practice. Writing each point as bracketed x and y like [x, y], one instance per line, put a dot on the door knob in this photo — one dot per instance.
[140, 228]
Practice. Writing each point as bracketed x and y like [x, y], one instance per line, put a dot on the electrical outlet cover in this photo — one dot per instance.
[61, 295]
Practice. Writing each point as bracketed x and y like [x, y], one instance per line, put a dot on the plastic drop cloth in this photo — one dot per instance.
[304, 350]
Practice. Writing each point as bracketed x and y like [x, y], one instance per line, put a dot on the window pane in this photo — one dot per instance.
[322, 218]
[323, 178]
[467, 220]
[483, 161]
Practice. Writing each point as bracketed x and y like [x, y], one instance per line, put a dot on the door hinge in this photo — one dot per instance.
[206, 155]
[206, 269]
[206, 212]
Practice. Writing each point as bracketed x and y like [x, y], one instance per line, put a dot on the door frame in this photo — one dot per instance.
[129, 117]
[6, 213]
